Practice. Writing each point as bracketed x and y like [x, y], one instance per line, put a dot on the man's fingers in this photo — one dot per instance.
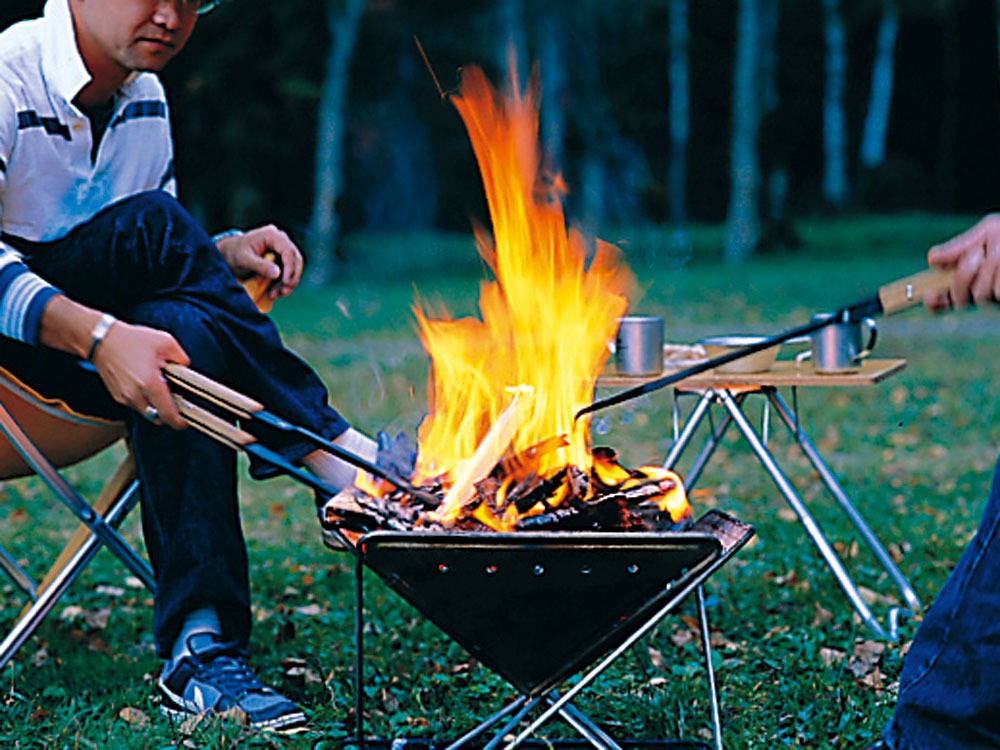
[965, 273]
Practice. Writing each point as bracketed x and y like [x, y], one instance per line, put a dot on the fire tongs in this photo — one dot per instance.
[187, 383]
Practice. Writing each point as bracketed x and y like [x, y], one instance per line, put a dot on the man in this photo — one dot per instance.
[99, 262]
[949, 690]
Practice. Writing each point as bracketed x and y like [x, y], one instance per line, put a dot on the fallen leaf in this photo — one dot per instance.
[684, 636]
[70, 613]
[134, 716]
[97, 618]
[865, 657]
[831, 656]
[822, 616]
[656, 656]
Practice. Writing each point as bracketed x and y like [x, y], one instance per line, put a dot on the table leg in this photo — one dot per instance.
[684, 439]
[873, 542]
[812, 528]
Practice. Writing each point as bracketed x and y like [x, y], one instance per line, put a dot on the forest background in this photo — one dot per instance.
[322, 116]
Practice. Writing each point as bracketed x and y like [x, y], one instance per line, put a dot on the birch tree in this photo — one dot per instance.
[679, 107]
[343, 18]
[876, 125]
[552, 69]
[835, 182]
[742, 217]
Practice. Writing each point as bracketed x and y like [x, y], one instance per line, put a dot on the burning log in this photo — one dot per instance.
[569, 500]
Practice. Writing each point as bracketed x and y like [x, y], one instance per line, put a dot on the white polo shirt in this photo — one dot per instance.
[49, 182]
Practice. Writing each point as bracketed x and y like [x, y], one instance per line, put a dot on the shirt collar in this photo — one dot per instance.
[62, 62]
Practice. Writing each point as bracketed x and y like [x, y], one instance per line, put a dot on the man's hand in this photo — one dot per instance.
[975, 256]
[245, 257]
[130, 360]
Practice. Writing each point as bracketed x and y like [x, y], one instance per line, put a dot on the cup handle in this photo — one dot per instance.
[802, 357]
[872, 338]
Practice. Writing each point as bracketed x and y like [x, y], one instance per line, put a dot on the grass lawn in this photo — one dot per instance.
[795, 667]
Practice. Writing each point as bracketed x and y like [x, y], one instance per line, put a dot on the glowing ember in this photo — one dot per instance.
[504, 388]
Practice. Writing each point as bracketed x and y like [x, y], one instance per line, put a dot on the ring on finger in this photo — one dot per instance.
[151, 413]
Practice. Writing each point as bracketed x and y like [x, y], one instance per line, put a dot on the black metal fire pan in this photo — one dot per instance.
[537, 607]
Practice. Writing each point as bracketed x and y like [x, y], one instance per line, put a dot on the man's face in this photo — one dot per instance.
[121, 36]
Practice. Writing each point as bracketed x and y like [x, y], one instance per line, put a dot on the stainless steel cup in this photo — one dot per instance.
[838, 347]
[639, 345]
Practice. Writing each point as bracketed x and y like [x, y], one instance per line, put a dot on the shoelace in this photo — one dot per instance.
[223, 666]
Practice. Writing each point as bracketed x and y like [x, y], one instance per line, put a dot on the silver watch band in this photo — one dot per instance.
[100, 331]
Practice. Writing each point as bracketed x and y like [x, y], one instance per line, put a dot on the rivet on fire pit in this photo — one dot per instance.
[442, 568]
[539, 569]
[632, 569]
[491, 570]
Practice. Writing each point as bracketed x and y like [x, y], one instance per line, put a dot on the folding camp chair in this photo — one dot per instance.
[42, 436]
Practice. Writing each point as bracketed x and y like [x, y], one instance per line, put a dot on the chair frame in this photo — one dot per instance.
[99, 523]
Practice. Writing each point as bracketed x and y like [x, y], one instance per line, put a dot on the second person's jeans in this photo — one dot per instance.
[949, 690]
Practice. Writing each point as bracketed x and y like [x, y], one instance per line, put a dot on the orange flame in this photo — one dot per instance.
[515, 378]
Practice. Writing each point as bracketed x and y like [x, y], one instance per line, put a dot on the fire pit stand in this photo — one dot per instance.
[583, 598]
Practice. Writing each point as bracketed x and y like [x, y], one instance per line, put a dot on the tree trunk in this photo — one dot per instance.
[512, 53]
[343, 18]
[873, 136]
[772, 145]
[552, 69]
[679, 107]
[742, 220]
[835, 184]
[951, 49]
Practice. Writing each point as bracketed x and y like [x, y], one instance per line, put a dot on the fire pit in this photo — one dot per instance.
[585, 597]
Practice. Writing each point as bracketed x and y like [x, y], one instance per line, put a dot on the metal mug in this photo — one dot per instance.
[639, 345]
[837, 347]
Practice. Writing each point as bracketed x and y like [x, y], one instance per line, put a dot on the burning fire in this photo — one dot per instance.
[504, 388]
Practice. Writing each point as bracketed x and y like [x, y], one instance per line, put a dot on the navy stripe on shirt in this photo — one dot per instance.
[168, 175]
[142, 108]
[29, 118]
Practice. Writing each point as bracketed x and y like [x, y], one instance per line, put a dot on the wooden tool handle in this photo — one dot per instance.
[211, 390]
[910, 291]
[213, 426]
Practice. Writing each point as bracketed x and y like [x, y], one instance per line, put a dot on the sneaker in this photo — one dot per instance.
[216, 680]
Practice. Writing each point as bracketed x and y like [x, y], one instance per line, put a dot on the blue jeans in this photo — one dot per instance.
[949, 694]
[148, 262]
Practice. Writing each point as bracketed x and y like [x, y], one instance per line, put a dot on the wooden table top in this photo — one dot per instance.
[784, 373]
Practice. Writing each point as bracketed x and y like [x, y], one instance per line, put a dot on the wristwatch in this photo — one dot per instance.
[99, 332]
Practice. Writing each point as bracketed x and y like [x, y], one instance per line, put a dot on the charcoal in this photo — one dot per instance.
[542, 491]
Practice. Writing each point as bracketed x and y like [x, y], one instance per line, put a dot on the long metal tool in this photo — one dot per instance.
[893, 297]
[244, 407]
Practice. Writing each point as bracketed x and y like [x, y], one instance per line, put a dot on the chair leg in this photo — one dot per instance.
[116, 500]
[111, 493]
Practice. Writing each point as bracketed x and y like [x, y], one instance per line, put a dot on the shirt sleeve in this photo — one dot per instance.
[23, 295]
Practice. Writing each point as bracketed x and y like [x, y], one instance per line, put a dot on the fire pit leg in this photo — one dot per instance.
[582, 724]
[359, 648]
[519, 703]
[557, 704]
[713, 691]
